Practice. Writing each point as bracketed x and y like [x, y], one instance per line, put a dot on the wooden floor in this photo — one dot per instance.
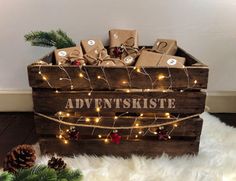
[15, 129]
[18, 128]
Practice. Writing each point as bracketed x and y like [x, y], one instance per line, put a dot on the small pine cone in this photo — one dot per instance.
[73, 134]
[56, 163]
[20, 157]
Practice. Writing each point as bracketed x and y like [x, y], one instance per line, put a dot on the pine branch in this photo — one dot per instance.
[69, 175]
[6, 176]
[39, 173]
[42, 43]
[42, 173]
[64, 36]
[58, 39]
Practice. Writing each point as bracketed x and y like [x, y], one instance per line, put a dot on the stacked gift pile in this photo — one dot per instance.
[123, 50]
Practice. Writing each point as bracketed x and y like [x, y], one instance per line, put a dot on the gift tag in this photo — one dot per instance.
[129, 60]
[62, 53]
[171, 61]
[91, 42]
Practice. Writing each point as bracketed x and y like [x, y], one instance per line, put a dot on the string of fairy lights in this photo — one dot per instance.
[171, 121]
[83, 74]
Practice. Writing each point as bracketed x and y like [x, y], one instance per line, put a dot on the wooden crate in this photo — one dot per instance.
[119, 90]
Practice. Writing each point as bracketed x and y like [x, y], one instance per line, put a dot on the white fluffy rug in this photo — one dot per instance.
[216, 161]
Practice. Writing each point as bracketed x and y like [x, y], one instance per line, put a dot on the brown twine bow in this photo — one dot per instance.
[102, 57]
[72, 56]
[160, 47]
[127, 48]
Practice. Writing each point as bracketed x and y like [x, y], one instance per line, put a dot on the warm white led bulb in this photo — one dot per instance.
[175, 125]
[81, 75]
[87, 120]
[97, 120]
[161, 77]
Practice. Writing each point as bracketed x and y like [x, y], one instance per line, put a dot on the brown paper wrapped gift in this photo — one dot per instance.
[171, 61]
[95, 57]
[92, 48]
[92, 44]
[66, 56]
[124, 45]
[165, 46]
[119, 37]
[152, 59]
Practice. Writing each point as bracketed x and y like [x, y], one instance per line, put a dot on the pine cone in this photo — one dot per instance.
[73, 134]
[20, 157]
[56, 163]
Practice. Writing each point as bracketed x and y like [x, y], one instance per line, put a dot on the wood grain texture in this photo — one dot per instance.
[117, 75]
[150, 148]
[188, 128]
[18, 128]
[185, 102]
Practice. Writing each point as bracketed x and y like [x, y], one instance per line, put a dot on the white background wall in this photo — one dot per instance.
[205, 28]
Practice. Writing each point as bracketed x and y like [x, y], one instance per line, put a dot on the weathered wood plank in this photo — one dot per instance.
[117, 101]
[117, 78]
[188, 128]
[150, 148]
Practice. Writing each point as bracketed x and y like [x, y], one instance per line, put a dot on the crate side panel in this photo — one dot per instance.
[114, 101]
[117, 77]
[188, 128]
[124, 149]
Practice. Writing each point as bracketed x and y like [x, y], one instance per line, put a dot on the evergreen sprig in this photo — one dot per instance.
[6, 176]
[69, 175]
[58, 39]
[42, 173]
